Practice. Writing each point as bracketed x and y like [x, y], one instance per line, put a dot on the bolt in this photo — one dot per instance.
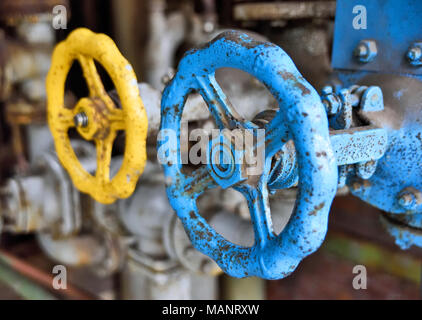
[80, 120]
[407, 200]
[361, 50]
[366, 51]
[330, 101]
[326, 90]
[414, 54]
[356, 186]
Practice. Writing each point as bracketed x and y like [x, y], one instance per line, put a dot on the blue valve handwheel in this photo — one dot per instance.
[301, 117]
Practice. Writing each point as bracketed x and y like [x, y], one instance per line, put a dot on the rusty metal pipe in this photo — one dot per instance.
[40, 277]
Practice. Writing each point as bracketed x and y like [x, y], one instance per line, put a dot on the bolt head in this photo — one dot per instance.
[327, 90]
[414, 54]
[407, 200]
[80, 120]
[366, 51]
[332, 103]
[361, 50]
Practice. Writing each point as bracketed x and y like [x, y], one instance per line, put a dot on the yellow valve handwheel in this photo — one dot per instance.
[96, 118]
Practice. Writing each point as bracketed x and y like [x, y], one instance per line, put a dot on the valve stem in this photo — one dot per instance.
[81, 120]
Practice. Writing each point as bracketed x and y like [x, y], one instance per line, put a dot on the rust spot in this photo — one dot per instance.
[288, 76]
[317, 209]
[321, 154]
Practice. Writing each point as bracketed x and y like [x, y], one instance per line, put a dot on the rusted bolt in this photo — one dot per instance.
[366, 51]
[80, 120]
[356, 186]
[330, 100]
[414, 54]
[326, 90]
[409, 198]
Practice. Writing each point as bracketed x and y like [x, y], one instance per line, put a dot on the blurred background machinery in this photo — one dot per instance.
[137, 248]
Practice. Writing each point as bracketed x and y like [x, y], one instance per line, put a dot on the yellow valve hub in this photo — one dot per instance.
[96, 118]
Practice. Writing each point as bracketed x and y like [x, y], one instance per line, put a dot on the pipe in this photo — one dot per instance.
[9, 261]
[22, 286]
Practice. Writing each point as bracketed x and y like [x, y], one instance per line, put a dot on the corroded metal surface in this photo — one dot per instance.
[399, 170]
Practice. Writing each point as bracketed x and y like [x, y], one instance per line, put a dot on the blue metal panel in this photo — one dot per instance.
[393, 24]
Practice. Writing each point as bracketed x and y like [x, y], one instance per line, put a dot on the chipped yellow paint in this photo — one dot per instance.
[104, 119]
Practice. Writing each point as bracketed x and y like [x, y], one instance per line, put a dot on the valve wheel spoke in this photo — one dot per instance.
[65, 116]
[95, 85]
[93, 80]
[198, 182]
[104, 150]
[222, 110]
[117, 120]
[276, 135]
[259, 207]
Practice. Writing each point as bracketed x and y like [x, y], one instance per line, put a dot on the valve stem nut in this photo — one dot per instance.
[330, 100]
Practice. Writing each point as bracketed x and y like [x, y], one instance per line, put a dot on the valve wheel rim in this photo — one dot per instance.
[301, 108]
[86, 47]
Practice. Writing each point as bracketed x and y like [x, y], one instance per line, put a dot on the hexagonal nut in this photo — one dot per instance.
[366, 50]
[414, 54]
[332, 103]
